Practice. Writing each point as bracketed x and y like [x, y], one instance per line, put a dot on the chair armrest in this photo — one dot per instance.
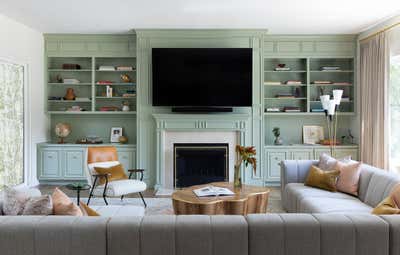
[136, 171]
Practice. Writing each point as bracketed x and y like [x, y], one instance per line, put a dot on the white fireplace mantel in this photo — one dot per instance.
[223, 122]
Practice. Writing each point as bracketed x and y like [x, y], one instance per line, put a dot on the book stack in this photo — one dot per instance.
[71, 81]
[125, 68]
[109, 109]
[272, 109]
[293, 82]
[104, 82]
[341, 83]
[285, 95]
[71, 66]
[282, 68]
[129, 95]
[106, 68]
[272, 82]
[291, 109]
[330, 68]
[322, 82]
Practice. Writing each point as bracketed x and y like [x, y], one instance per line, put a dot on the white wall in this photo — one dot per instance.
[21, 44]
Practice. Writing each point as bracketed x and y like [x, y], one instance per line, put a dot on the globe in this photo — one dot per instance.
[62, 130]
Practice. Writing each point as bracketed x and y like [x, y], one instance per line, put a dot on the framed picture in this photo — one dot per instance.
[116, 132]
[313, 134]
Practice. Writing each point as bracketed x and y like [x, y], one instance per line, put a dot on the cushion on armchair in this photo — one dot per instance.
[115, 173]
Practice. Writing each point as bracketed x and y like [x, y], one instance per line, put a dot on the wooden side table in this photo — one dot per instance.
[248, 199]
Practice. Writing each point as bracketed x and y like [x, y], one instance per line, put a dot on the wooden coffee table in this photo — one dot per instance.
[248, 199]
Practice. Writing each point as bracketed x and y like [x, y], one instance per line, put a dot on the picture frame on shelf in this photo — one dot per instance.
[312, 134]
[116, 133]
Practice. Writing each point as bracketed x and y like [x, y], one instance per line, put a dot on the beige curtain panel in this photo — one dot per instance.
[374, 59]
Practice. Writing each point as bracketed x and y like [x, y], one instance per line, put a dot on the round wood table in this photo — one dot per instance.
[248, 199]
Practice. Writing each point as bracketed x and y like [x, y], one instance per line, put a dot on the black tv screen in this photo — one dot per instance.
[202, 77]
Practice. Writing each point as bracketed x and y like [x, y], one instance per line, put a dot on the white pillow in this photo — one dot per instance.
[327, 163]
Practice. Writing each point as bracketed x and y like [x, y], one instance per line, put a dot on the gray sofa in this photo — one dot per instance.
[267, 234]
[375, 185]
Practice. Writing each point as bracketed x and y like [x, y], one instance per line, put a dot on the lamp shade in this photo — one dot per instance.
[331, 107]
[337, 95]
[325, 101]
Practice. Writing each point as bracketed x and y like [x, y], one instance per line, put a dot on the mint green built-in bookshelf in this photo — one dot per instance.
[307, 71]
[93, 95]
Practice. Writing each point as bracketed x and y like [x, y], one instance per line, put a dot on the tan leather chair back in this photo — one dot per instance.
[102, 154]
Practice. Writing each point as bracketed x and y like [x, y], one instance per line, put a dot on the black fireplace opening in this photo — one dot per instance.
[200, 163]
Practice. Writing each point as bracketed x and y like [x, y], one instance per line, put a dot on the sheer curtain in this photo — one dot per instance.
[393, 41]
[374, 103]
[11, 124]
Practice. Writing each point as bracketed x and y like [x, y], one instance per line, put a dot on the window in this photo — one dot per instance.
[11, 124]
[394, 99]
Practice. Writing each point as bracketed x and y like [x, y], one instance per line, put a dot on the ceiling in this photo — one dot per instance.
[279, 17]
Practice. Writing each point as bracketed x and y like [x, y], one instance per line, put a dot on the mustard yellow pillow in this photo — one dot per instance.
[87, 211]
[387, 206]
[116, 173]
[322, 179]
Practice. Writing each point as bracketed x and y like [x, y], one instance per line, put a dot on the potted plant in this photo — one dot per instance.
[277, 134]
[246, 155]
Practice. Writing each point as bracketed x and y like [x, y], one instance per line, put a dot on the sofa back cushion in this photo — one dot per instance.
[375, 184]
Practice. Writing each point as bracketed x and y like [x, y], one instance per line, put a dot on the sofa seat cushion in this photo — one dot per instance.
[333, 205]
[295, 192]
[119, 211]
[120, 187]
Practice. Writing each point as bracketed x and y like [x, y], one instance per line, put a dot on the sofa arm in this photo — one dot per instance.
[295, 171]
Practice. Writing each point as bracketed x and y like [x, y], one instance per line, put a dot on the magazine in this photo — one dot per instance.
[211, 191]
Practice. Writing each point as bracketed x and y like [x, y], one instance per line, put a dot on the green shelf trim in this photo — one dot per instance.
[305, 113]
[117, 71]
[294, 71]
[314, 101]
[69, 70]
[69, 101]
[285, 85]
[332, 71]
[70, 84]
[110, 98]
[276, 98]
[331, 85]
[117, 84]
[92, 112]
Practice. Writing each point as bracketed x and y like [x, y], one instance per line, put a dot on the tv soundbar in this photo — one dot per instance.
[201, 109]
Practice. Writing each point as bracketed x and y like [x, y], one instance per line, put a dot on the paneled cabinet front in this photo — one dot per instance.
[274, 158]
[59, 163]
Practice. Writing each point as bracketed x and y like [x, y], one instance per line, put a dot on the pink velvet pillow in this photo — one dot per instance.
[63, 205]
[349, 177]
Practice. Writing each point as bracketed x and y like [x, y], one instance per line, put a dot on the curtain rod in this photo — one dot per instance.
[380, 31]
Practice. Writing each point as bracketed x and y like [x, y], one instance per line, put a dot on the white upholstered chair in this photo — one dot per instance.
[104, 157]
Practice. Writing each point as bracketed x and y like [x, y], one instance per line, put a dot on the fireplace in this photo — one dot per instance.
[199, 163]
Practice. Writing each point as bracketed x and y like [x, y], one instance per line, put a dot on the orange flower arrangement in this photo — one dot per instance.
[246, 155]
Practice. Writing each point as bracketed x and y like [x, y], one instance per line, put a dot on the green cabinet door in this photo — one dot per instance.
[126, 158]
[303, 154]
[49, 162]
[73, 164]
[274, 159]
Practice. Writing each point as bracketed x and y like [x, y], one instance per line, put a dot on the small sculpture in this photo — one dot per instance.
[123, 139]
[70, 95]
[125, 106]
[277, 134]
[125, 78]
[62, 130]
[59, 78]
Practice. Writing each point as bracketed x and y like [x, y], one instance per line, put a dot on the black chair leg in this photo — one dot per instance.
[144, 202]
[105, 200]
[122, 197]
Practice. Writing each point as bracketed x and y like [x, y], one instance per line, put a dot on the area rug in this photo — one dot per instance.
[163, 206]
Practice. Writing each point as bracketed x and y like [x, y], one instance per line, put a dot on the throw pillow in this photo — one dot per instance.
[116, 173]
[348, 177]
[63, 205]
[395, 194]
[387, 206]
[87, 211]
[322, 179]
[14, 201]
[42, 205]
[326, 162]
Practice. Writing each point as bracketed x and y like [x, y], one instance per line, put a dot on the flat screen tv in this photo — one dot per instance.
[202, 77]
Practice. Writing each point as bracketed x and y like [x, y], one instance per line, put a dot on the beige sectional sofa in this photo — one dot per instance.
[374, 185]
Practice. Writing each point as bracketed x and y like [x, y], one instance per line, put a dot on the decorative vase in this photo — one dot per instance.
[237, 179]
[278, 140]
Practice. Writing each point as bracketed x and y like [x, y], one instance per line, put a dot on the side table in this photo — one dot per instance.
[78, 187]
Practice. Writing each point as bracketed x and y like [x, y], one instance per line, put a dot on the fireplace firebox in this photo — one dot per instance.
[200, 163]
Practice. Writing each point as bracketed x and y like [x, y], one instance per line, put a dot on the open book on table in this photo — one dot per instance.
[211, 191]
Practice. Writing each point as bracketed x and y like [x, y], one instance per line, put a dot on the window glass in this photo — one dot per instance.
[394, 99]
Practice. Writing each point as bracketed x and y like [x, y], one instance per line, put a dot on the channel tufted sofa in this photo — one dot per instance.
[375, 185]
[261, 234]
